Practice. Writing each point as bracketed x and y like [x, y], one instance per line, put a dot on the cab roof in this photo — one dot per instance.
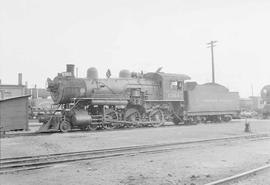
[167, 76]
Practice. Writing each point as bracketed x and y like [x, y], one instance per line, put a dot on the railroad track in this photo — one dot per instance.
[9, 165]
[240, 176]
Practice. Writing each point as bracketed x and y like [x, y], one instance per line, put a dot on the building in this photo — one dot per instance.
[253, 103]
[14, 113]
[38, 93]
[9, 91]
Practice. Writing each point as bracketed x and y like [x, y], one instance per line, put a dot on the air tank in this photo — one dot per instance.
[92, 73]
[124, 73]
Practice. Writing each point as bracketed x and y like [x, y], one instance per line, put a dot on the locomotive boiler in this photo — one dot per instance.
[132, 100]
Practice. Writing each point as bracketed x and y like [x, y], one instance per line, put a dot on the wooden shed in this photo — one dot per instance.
[14, 113]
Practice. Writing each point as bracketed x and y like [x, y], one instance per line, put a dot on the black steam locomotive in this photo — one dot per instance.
[134, 100]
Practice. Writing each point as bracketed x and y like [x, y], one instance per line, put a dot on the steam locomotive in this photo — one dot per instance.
[134, 100]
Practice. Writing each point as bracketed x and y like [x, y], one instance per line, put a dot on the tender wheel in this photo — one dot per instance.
[218, 119]
[203, 119]
[227, 118]
[196, 120]
[157, 117]
[65, 126]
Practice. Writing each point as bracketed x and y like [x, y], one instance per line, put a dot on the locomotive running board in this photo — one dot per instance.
[132, 123]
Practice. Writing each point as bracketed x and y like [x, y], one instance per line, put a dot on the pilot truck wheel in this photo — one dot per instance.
[65, 126]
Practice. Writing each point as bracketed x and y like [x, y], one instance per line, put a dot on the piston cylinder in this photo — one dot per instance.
[81, 118]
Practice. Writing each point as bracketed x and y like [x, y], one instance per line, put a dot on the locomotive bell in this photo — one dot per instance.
[92, 73]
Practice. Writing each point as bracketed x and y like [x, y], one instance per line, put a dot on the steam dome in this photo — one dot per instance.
[124, 73]
[92, 73]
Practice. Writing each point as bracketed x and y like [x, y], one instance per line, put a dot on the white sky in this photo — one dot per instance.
[39, 37]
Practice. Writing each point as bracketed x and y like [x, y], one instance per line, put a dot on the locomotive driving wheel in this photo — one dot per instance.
[134, 117]
[157, 118]
[65, 126]
[110, 117]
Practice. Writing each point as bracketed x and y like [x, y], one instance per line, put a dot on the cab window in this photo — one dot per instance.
[180, 85]
[176, 85]
[173, 85]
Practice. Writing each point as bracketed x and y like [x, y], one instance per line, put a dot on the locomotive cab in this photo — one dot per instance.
[171, 85]
[170, 97]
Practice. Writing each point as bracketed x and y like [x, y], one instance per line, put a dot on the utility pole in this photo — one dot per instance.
[211, 45]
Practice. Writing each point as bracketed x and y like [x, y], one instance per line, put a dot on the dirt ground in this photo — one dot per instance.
[191, 166]
[78, 141]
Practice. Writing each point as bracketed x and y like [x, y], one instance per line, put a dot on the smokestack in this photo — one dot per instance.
[20, 79]
[70, 68]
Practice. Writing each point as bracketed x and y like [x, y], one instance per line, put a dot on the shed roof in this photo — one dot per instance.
[16, 97]
[168, 76]
[11, 85]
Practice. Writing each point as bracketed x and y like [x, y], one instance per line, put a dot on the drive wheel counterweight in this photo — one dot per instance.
[135, 118]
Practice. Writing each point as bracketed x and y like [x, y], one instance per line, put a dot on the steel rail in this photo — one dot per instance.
[32, 162]
[251, 136]
[239, 176]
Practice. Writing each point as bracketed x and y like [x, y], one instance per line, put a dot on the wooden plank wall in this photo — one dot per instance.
[14, 114]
